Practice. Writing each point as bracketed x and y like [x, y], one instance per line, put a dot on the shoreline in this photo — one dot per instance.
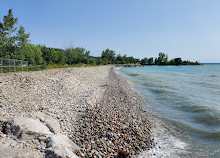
[166, 136]
[119, 120]
[95, 107]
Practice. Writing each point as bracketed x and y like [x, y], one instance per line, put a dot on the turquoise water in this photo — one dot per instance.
[186, 97]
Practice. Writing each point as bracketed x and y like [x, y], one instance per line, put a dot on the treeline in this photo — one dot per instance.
[162, 59]
[15, 44]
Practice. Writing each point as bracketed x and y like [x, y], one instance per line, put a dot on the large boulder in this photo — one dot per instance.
[29, 129]
[13, 152]
[26, 128]
[11, 148]
[60, 146]
[50, 122]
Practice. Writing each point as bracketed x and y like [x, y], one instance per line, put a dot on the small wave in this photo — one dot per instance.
[195, 109]
[149, 84]
[213, 135]
[203, 115]
[204, 83]
[213, 75]
[208, 119]
[210, 135]
[159, 90]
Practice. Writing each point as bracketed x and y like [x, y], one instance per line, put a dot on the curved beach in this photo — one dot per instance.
[95, 107]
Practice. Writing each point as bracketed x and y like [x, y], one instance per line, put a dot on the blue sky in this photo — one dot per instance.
[141, 28]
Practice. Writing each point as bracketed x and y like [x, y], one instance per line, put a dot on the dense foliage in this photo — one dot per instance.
[15, 44]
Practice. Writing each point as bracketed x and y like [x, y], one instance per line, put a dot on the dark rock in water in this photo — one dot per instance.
[123, 153]
[133, 74]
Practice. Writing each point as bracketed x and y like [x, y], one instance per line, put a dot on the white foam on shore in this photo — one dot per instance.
[167, 145]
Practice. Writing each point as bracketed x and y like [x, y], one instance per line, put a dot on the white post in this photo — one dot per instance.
[22, 65]
[14, 66]
[9, 64]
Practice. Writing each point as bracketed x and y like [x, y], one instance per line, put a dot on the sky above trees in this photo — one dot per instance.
[141, 28]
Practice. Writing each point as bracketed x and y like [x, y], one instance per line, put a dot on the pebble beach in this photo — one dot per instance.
[94, 106]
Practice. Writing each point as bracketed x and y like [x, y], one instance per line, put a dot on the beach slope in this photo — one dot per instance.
[92, 106]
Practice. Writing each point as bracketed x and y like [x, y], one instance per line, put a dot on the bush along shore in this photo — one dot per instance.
[71, 112]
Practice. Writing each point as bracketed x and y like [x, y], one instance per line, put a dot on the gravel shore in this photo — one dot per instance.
[95, 107]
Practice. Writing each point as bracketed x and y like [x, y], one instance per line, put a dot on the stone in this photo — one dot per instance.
[26, 128]
[50, 122]
[61, 146]
[10, 148]
[60, 152]
[123, 153]
[13, 152]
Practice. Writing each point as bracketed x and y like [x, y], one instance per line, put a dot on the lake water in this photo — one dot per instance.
[185, 97]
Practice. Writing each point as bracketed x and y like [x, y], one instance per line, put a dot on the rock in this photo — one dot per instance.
[61, 146]
[26, 128]
[59, 153]
[123, 153]
[10, 148]
[50, 122]
[13, 152]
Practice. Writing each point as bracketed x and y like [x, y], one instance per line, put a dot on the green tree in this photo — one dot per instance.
[22, 37]
[50, 55]
[150, 61]
[32, 54]
[99, 61]
[125, 59]
[45, 53]
[136, 60]
[22, 41]
[79, 54]
[1, 38]
[162, 59]
[131, 60]
[92, 61]
[172, 62]
[9, 23]
[156, 61]
[178, 61]
[28, 52]
[7, 30]
[119, 59]
[37, 54]
[108, 56]
[62, 57]
[69, 55]
[85, 57]
[144, 61]
[53, 56]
